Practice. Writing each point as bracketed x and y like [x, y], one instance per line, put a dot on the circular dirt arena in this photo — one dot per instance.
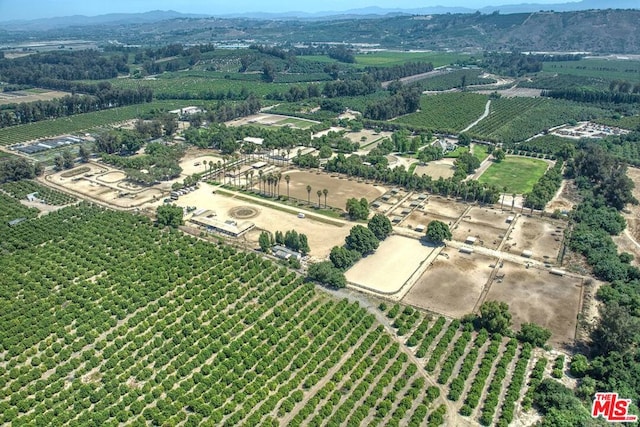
[243, 212]
[112, 177]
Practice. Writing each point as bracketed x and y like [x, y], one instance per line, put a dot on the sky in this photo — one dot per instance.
[34, 9]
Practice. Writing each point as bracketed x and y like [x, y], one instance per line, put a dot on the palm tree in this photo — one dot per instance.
[219, 164]
[251, 179]
[278, 178]
[263, 178]
[325, 192]
[308, 194]
[246, 179]
[287, 178]
[319, 193]
[513, 201]
[260, 175]
[205, 163]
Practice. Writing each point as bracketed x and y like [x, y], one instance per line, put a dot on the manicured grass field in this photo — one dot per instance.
[303, 124]
[518, 174]
[457, 152]
[480, 152]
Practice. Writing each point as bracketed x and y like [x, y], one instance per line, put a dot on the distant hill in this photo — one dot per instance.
[597, 31]
[46, 24]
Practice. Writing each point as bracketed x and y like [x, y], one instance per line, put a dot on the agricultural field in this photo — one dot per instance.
[454, 79]
[20, 189]
[193, 341]
[381, 59]
[447, 112]
[594, 67]
[82, 122]
[179, 85]
[516, 119]
[517, 174]
[30, 95]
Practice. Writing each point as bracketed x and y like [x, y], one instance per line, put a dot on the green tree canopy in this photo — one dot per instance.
[358, 209]
[169, 215]
[495, 317]
[438, 232]
[326, 273]
[380, 225]
[343, 258]
[534, 334]
[362, 239]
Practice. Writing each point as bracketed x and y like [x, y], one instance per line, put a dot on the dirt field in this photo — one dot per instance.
[105, 184]
[370, 136]
[340, 189]
[443, 207]
[488, 226]
[189, 162]
[536, 235]
[565, 199]
[24, 96]
[264, 119]
[451, 286]
[322, 236]
[439, 168]
[391, 265]
[538, 296]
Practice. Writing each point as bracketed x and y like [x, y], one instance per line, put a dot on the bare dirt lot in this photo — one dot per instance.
[452, 284]
[437, 169]
[322, 236]
[193, 162]
[391, 265]
[105, 184]
[266, 119]
[488, 226]
[24, 96]
[444, 207]
[538, 296]
[340, 188]
[536, 235]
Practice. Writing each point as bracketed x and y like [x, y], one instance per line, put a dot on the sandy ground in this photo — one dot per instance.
[436, 169]
[565, 199]
[18, 97]
[340, 188]
[262, 119]
[539, 236]
[322, 237]
[538, 296]
[452, 284]
[194, 163]
[369, 134]
[488, 226]
[395, 260]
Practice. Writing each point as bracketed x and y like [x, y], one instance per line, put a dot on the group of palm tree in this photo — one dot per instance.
[268, 184]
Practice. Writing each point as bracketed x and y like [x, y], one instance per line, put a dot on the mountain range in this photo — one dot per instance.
[45, 24]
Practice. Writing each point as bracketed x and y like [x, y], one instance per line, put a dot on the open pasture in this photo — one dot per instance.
[610, 69]
[536, 295]
[194, 162]
[393, 263]
[517, 174]
[452, 284]
[438, 205]
[340, 188]
[534, 234]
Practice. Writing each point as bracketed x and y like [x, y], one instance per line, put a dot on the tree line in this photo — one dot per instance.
[595, 96]
[70, 105]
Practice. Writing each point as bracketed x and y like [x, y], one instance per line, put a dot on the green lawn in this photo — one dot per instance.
[518, 174]
[302, 124]
[457, 152]
[480, 152]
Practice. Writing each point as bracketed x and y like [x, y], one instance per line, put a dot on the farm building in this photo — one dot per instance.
[16, 221]
[406, 211]
[254, 141]
[466, 250]
[510, 219]
[283, 252]
[527, 254]
[396, 219]
[33, 197]
[420, 228]
[470, 240]
[259, 165]
[376, 204]
[229, 227]
[186, 111]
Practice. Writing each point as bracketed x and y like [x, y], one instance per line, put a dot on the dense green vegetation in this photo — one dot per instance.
[447, 112]
[518, 174]
[20, 189]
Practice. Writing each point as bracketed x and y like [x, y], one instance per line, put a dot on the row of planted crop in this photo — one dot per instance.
[20, 190]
